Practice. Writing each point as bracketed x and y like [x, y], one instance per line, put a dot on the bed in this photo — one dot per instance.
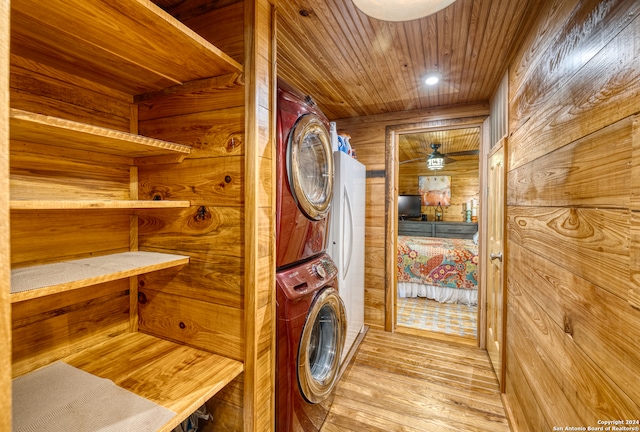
[442, 269]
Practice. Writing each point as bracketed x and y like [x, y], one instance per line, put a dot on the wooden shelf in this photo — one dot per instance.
[95, 204]
[176, 377]
[129, 45]
[42, 280]
[42, 129]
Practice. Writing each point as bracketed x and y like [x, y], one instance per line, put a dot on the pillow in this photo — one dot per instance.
[475, 238]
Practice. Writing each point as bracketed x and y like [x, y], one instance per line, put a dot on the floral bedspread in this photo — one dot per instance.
[444, 262]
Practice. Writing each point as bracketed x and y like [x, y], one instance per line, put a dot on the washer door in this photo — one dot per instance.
[310, 166]
[321, 346]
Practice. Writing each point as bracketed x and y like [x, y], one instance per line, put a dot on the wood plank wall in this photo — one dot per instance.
[228, 292]
[368, 138]
[5, 265]
[465, 185]
[51, 327]
[573, 228]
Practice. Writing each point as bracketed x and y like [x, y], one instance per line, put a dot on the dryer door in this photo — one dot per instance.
[310, 166]
[321, 346]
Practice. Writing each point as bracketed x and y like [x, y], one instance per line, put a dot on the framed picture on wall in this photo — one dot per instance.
[434, 190]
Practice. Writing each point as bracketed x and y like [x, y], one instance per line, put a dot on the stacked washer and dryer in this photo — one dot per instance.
[311, 321]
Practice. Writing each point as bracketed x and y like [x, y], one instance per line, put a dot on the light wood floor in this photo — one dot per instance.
[400, 382]
[426, 314]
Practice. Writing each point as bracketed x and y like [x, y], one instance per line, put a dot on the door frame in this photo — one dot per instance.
[392, 133]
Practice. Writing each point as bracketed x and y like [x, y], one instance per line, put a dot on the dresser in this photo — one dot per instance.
[464, 230]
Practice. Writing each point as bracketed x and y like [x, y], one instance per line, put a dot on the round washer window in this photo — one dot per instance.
[310, 166]
[321, 346]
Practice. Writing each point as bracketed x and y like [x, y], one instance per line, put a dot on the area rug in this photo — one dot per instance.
[425, 314]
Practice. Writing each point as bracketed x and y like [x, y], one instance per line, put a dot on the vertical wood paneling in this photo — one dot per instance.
[573, 315]
[5, 265]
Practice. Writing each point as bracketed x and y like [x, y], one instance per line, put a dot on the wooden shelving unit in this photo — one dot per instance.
[38, 281]
[174, 376]
[41, 129]
[133, 46]
[119, 48]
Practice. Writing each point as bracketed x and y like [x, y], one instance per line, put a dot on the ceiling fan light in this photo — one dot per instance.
[400, 10]
[435, 162]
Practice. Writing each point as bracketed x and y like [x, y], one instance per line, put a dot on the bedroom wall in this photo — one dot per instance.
[465, 185]
[368, 138]
[573, 228]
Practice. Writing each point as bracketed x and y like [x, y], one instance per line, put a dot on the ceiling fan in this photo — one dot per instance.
[446, 158]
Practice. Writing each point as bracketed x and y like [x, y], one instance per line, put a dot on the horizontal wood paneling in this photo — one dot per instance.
[575, 109]
[45, 90]
[196, 231]
[634, 282]
[66, 235]
[226, 408]
[583, 241]
[43, 177]
[204, 182]
[613, 344]
[578, 381]
[218, 279]
[204, 325]
[572, 230]
[227, 33]
[587, 29]
[49, 328]
[521, 407]
[583, 173]
[537, 373]
[207, 135]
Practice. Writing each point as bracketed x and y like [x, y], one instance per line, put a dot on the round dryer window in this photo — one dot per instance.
[321, 346]
[310, 166]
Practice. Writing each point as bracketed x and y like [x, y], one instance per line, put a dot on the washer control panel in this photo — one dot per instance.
[308, 277]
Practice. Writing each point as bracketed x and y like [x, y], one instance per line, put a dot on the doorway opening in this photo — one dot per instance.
[432, 272]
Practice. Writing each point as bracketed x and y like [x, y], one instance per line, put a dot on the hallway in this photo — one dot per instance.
[400, 382]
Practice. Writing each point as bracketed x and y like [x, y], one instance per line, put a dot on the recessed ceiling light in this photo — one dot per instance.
[400, 10]
[432, 78]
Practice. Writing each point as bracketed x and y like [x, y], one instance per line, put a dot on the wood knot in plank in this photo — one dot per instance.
[568, 325]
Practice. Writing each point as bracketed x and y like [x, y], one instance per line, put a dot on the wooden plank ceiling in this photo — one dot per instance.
[416, 146]
[353, 65]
